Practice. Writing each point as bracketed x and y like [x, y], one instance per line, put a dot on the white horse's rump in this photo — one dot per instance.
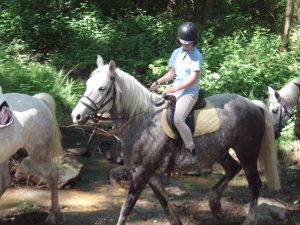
[35, 129]
[1, 96]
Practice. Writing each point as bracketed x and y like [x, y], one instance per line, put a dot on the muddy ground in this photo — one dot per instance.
[187, 193]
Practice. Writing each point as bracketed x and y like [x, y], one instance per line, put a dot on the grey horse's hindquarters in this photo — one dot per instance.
[5, 178]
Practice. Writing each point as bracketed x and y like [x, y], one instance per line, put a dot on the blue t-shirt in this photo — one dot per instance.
[185, 62]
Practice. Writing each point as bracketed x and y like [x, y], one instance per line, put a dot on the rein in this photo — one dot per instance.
[115, 131]
[286, 111]
[280, 127]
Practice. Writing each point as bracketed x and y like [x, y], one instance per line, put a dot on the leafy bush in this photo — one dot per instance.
[246, 64]
[31, 78]
[240, 44]
[138, 43]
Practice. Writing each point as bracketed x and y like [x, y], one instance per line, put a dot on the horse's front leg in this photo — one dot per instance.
[161, 194]
[138, 181]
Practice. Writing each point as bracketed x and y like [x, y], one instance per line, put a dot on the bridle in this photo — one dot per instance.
[286, 111]
[96, 106]
[282, 111]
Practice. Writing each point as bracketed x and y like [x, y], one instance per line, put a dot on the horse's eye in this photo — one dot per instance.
[101, 88]
[275, 110]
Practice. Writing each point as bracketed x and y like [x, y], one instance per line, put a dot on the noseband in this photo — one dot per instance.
[96, 106]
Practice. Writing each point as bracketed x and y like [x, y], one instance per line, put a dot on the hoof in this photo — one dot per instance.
[52, 220]
[250, 218]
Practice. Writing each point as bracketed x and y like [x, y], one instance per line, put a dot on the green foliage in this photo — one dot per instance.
[246, 64]
[295, 48]
[144, 41]
[31, 77]
[41, 41]
[40, 23]
[287, 136]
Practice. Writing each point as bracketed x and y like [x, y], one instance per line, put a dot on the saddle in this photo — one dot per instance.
[202, 119]
[6, 117]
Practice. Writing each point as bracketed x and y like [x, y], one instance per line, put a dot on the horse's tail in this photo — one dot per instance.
[50, 102]
[268, 151]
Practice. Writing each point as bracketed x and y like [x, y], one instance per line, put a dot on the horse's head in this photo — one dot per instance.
[100, 93]
[279, 111]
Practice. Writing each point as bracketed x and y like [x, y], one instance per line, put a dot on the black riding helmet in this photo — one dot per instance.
[187, 33]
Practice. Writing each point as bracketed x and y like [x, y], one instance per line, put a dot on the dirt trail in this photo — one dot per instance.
[93, 200]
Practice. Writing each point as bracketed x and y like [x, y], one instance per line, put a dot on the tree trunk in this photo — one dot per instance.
[182, 8]
[288, 19]
[172, 5]
[208, 8]
[297, 11]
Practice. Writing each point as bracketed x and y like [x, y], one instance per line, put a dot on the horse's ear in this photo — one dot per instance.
[277, 96]
[298, 85]
[99, 61]
[271, 91]
[275, 93]
[112, 68]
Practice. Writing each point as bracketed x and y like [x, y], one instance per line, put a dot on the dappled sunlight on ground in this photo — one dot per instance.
[93, 200]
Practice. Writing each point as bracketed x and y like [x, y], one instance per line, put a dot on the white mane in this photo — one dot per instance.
[133, 96]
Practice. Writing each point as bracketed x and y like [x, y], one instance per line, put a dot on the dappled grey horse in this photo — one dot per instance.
[33, 127]
[246, 127]
[282, 102]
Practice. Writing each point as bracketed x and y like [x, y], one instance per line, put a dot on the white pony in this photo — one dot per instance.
[281, 103]
[35, 129]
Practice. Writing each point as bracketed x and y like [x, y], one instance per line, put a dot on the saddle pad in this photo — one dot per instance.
[206, 121]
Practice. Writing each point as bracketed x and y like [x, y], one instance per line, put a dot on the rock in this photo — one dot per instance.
[295, 152]
[268, 212]
[198, 172]
[68, 169]
[76, 151]
[176, 191]
[119, 174]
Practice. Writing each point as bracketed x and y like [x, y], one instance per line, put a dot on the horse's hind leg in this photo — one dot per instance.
[231, 167]
[5, 178]
[43, 166]
[161, 194]
[254, 182]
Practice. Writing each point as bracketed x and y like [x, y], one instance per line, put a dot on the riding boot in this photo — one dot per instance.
[189, 158]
